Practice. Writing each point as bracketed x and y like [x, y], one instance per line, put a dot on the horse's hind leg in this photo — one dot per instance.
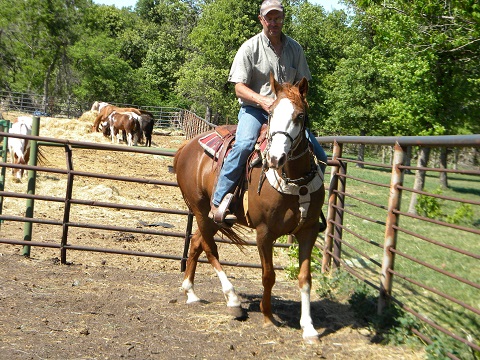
[197, 245]
[188, 280]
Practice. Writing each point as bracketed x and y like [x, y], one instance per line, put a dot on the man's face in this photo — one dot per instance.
[272, 22]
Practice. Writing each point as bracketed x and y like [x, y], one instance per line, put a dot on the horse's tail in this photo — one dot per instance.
[234, 235]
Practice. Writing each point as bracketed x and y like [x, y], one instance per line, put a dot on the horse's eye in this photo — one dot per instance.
[301, 116]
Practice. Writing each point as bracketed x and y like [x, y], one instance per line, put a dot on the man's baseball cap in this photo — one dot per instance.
[269, 5]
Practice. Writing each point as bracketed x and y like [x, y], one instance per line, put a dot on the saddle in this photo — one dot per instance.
[218, 145]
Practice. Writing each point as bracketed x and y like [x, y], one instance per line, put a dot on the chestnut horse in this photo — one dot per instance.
[289, 202]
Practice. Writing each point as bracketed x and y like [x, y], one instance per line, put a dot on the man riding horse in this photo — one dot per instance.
[268, 51]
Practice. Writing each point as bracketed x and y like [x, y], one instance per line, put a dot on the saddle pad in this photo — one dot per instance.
[213, 144]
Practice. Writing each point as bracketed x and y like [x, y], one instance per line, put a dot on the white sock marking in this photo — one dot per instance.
[188, 288]
[228, 290]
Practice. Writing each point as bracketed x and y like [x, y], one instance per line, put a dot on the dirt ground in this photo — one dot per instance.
[106, 306]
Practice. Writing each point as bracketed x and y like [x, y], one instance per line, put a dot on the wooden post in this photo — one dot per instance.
[32, 175]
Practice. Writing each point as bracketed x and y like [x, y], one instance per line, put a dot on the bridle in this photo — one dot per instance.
[295, 142]
[303, 186]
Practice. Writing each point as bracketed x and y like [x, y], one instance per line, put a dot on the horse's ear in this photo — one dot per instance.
[274, 85]
[303, 87]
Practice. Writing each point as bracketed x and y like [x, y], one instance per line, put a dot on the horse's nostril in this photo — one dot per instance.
[276, 162]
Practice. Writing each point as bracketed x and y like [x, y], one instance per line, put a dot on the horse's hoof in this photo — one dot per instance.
[237, 312]
[269, 322]
[311, 340]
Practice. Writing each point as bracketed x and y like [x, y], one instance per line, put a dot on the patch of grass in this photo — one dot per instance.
[393, 326]
[293, 268]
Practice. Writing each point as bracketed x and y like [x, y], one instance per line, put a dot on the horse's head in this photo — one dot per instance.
[286, 124]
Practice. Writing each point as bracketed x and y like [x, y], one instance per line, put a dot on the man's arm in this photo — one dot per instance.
[243, 92]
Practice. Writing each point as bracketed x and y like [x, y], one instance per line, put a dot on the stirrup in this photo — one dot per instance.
[221, 214]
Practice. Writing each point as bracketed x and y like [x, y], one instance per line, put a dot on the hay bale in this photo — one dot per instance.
[88, 116]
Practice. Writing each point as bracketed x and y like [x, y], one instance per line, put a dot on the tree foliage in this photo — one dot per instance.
[385, 67]
[212, 47]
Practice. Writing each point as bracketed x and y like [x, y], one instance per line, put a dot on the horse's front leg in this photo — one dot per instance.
[112, 134]
[265, 249]
[129, 139]
[310, 335]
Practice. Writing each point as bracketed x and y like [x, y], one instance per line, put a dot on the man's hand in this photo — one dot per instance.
[248, 95]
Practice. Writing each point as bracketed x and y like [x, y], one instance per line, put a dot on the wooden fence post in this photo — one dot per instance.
[32, 174]
[390, 231]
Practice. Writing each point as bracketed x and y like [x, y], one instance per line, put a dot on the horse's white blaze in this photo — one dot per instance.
[187, 286]
[228, 289]
[306, 319]
[282, 121]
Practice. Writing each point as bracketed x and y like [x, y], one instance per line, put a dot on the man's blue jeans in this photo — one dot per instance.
[250, 121]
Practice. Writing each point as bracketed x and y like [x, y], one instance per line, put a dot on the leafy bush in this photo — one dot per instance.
[293, 267]
[463, 215]
[429, 206]
[393, 326]
[432, 208]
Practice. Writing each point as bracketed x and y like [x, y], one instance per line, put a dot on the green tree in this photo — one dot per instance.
[223, 26]
[324, 37]
[439, 42]
[101, 67]
[36, 35]
[170, 22]
[431, 47]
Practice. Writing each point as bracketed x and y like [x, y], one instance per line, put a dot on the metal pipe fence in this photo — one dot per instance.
[67, 241]
[428, 266]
